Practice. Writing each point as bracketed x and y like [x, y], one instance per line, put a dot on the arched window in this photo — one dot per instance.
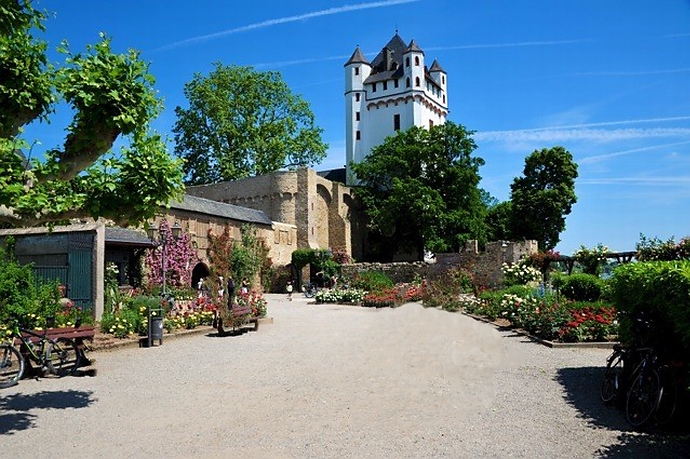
[407, 62]
[416, 60]
[356, 70]
[416, 81]
[407, 82]
[443, 79]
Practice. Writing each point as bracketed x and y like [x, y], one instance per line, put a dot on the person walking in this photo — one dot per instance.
[288, 289]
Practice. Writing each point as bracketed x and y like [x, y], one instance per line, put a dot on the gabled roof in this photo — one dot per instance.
[357, 58]
[396, 47]
[220, 209]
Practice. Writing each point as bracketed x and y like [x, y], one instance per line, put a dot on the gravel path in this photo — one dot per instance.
[330, 382]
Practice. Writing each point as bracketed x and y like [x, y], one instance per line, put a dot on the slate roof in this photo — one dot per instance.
[220, 209]
[436, 67]
[357, 58]
[334, 175]
[124, 236]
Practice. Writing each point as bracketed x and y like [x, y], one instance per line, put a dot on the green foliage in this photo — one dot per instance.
[655, 249]
[659, 292]
[592, 259]
[302, 257]
[498, 222]
[446, 292]
[543, 196]
[111, 95]
[242, 123]
[582, 287]
[372, 281]
[420, 191]
[239, 259]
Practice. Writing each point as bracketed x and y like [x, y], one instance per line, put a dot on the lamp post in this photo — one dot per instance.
[162, 240]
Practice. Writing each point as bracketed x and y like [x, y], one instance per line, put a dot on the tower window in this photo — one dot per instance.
[416, 60]
[407, 82]
[356, 70]
[357, 97]
[385, 85]
[396, 122]
[356, 116]
[407, 62]
[431, 124]
[358, 135]
[395, 82]
[443, 79]
[416, 81]
[373, 87]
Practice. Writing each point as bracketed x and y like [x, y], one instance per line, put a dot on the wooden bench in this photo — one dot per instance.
[241, 317]
[77, 334]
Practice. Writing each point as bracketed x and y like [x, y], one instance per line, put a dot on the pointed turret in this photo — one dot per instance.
[357, 58]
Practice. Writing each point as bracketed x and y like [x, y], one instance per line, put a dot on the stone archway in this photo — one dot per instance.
[200, 271]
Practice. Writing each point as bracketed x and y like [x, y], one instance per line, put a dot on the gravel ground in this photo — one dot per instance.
[326, 381]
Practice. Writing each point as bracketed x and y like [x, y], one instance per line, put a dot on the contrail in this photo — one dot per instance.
[285, 20]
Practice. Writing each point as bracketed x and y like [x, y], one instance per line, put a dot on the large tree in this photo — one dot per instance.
[111, 95]
[543, 196]
[420, 190]
[242, 123]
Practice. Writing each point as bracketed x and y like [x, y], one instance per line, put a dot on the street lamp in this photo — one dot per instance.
[162, 240]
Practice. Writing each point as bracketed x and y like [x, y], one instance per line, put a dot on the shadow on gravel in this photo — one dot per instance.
[19, 406]
[582, 392]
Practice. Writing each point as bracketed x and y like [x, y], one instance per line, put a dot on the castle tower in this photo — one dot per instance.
[394, 92]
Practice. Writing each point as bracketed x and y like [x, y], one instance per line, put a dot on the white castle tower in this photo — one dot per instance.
[394, 92]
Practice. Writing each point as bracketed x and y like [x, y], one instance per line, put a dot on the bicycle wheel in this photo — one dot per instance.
[668, 396]
[11, 365]
[62, 357]
[643, 397]
[611, 385]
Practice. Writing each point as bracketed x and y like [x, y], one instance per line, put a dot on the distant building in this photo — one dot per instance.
[394, 92]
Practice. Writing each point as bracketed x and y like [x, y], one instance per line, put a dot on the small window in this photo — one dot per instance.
[356, 70]
[416, 60]
[396, 122]
[358, 135]
[356, 116]
[395, 82]
[431, 124]
[407, 62]
[373, 87]
[357, 97]
[385, 85]
[443, 79]
[407, 82]
[444, 99]
[416, 81]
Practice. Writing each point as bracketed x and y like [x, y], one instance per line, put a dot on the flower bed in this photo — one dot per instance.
[547, 318]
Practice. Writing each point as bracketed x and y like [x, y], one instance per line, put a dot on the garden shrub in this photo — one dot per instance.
[582, 287]
[446, 292]
[658, 291]
[372, 281]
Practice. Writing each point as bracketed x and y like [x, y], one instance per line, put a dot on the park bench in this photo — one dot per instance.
[79, 335]
[238, 317]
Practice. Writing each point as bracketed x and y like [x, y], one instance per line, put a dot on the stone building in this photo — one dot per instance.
[393, 92]
[323, 212]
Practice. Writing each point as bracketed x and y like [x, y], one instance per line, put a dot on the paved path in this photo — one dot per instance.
[330, 382]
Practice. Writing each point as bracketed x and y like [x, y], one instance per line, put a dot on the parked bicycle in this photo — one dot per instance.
[618, 373]
[59, 357]
[310, 289]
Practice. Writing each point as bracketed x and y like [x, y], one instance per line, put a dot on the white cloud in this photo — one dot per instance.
[599, 158]
[562, 135]
[288, 19]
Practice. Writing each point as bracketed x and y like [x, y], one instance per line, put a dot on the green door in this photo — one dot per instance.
[81, 278]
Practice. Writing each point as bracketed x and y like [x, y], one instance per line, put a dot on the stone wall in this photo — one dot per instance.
[485, 265]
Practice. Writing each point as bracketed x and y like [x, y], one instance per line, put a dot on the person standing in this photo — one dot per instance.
[244, 288]
[231, 291]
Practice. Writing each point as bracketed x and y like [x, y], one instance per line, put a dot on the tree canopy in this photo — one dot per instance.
[543, 196]
[242, 123]
[420, 191]
[111, 95]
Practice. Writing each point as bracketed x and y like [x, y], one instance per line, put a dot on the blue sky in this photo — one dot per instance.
[608, 80]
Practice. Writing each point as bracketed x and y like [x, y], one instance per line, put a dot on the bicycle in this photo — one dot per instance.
[618, 373]
[309, 289]
[59, 357]
[646, 390]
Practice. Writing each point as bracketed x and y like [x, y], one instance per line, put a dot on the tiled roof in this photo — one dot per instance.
[209, 207]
